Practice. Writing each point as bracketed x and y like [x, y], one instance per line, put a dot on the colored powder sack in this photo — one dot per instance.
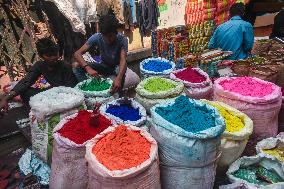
[125, 112]
[187, 115]
[157, 65]
[190, 75]
[276, 152]
[122, 149]
[95, 85]
[233, 122]
[247, 86]
[79, 129]
[258, 175]
[158, 84]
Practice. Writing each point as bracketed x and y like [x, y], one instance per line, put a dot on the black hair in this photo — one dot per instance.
[47, 47]
[108, 24]
[237, 9]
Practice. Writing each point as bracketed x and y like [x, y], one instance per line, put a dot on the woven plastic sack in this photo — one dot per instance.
[256, 160]
[149, 103]
[147, 73]
[104, 93]
[187, 160]
[263, 111]
[144, 176]
[161, 94]
[233, 143]
[47, 109]
[281, 117]
[134, 104]
[190, 84]
[200, 93]
[68, 168]
[270, 143]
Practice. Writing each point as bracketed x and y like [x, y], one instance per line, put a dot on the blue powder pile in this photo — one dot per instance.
[157, 65]
[187, 115]
[124, 112]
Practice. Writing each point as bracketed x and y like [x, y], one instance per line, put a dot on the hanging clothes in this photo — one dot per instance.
[103, 7]
[127, 14]
[148, 13]
[133, 10]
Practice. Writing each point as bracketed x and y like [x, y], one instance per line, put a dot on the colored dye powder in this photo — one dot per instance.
[157, 65]
[158, 84]
[190, 75]
[95, 85]
[187, 115]
[247, 86]
[79, 129]
[122, 149]
[257, 175]
[125, 112]
[276, 152]
[233, 122]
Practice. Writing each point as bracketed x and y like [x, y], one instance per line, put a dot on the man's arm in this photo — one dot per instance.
[122, 69]
[248, 38]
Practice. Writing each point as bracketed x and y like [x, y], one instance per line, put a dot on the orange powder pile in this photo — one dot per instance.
[122, 149]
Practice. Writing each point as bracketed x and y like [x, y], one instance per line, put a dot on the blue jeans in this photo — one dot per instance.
[101, 68]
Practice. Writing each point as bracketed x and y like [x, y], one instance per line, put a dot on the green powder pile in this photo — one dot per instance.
[95, 85]
[158, 84]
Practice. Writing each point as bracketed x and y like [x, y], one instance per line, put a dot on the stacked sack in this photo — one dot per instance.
[69, 168]
[281, 114]
[260, 100]
[234, 139]
[95, 90]
[155, 90]
[222, 10]
[256, 172]
[156, 67]
[125, 111]
[199, 11]
[188, 134]
[197, 83]
[123, 157]
[47, 109]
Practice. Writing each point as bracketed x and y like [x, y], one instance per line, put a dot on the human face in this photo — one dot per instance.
[109, 38]
[51, 60]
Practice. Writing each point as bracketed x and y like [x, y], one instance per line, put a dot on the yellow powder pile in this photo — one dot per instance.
[233, 122]
[276, 152]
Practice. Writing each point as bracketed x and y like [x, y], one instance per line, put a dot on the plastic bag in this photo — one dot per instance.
[256, 160]
[187, 160]
[144, 176]
[233, 143]
[134, 104]
[161, 94]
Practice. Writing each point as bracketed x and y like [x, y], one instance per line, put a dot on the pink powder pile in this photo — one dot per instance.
[247, 86]
[190, 75]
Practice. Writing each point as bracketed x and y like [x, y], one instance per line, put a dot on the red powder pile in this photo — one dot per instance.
[190, 75]
[122, 149]
[79, 129]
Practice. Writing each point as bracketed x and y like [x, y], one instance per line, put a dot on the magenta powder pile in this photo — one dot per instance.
[190, 75]
[247, 86]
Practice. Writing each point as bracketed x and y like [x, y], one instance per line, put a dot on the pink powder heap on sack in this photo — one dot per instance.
[122, 149]
[247, 86]
[190, 75]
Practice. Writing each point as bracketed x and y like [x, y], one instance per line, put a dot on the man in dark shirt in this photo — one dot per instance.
[113, 48]
[278, 27]
[55, 72]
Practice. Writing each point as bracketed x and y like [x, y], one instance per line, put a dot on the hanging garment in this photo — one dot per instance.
[78, 12]
[133, 10]
[103, 7]
[148, 16]
[127, 14]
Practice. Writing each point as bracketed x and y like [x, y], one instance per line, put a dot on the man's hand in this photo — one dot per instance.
[116, 85]
[3, 106]
[92, 72]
